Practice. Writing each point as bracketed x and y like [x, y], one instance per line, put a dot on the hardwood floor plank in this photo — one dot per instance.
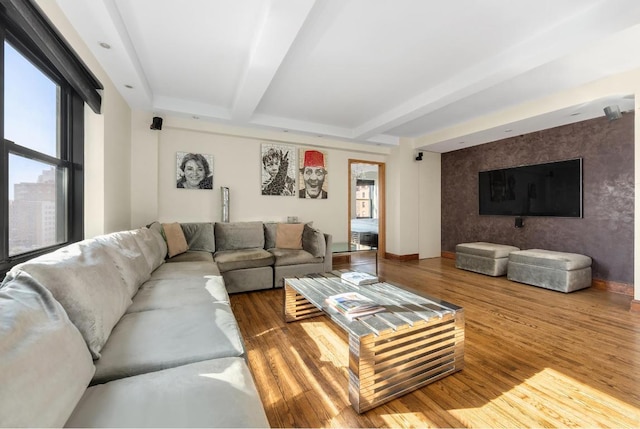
[533, 357]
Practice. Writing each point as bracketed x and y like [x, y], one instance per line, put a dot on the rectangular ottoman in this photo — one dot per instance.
[560, 271]
[484, 258]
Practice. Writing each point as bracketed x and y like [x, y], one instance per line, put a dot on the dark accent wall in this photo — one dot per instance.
[606, 230]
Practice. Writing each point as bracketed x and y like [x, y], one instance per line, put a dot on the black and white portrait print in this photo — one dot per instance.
[194, 170]
[278, 170]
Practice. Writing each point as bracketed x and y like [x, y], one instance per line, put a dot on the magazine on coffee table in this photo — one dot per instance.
[353, 304]
[359, 279]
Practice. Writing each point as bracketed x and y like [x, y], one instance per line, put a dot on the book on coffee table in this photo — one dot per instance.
[357, 278]
[353, 304]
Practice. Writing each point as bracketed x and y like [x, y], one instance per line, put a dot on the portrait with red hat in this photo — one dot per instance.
[313, 174]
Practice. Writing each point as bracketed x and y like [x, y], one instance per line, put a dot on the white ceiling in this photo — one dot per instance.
[368, 71]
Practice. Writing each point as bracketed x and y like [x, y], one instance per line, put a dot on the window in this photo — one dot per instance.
[364, 191]
[44, 90]
[37, 172]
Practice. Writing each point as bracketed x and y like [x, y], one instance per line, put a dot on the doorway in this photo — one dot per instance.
[367, 211]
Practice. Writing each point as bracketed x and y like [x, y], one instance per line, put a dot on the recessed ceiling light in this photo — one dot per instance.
[460, 142]
[285, 131]
[128, 86]
[508, 130]
[104, 45]
[575, 114]
[195, 117]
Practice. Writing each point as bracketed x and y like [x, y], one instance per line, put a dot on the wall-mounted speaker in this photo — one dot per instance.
[612, 112]
[156, 123]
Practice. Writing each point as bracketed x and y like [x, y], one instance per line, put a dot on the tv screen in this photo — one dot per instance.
[551, 189]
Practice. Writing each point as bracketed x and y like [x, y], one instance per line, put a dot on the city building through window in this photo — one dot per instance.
[42, 150]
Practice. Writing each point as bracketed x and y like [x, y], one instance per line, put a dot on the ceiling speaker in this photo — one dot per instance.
[156, 124]
[612, 112]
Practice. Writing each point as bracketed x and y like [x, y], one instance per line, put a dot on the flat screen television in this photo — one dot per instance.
[550, 189]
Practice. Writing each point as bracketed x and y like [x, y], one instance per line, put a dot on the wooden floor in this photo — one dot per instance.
[533, 358]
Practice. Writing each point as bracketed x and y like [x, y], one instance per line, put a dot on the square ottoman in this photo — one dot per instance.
[484, 258]
[560, 271]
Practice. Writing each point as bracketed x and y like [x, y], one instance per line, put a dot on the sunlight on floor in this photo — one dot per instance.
[552, 399]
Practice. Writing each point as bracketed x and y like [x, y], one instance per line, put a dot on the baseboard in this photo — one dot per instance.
[448, 255]
[635, 306]
[615, 287]
[401, 258]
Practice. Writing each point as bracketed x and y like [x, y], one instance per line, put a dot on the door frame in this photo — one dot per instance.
[382, 202]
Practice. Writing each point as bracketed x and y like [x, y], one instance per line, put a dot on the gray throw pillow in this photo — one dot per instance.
[313, 241]
[200, 236]
[270, 234]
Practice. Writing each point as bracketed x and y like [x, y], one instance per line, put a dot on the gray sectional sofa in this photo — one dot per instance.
[108, 332]
[256, 255]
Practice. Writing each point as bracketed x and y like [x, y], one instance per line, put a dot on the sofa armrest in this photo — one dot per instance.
[328, 256]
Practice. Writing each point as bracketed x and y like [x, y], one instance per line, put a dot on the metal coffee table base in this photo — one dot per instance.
[393, 362]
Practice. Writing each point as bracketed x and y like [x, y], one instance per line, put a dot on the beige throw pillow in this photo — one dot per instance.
[289, 235]
[176, 242]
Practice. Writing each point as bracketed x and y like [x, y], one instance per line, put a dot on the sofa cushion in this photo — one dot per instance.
[156, 294]
[152, 245]
[45, 365]
[212, 393]
[152, 340]
[487, 250]
[239, 235]
[230, 260]
[176, 242]
[313, 241]
[289, 235]
[192, 256]
[128, 257]
[293, 257]
[551, 259]
[199, 236]
[86, 281]
[185, 270]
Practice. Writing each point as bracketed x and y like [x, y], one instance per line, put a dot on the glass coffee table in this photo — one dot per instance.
[417, 339]
[344, 248]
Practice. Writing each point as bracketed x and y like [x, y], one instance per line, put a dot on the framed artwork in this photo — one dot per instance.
[313, 174]
[194, 170]
[278, 170]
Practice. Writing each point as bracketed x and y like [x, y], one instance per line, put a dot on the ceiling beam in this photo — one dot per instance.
[280, 27]
[601, 21]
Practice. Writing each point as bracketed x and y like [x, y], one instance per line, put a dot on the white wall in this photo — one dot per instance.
[107, 143]
[94, 197]
[144, 170]
[237, 165]
[403, 200]
[430, 225]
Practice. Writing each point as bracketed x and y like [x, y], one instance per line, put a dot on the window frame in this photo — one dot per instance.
[70, 130]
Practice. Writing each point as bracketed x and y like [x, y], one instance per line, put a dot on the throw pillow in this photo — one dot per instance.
[289, 235]
[270, 234]
[199, 236]
[176, 242]
[313, 241]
